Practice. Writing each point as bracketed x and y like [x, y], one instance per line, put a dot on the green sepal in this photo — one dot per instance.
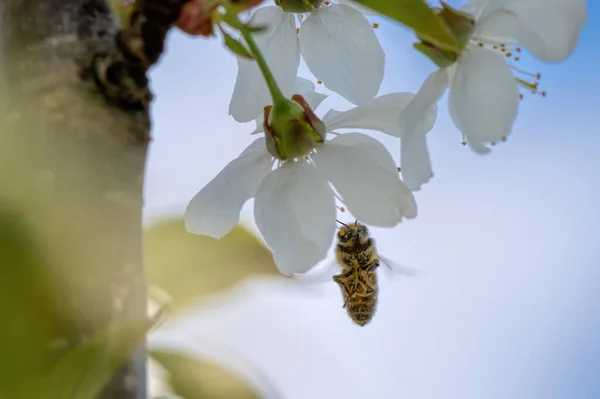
[298, 6]
[418, 16]
[439, 57]
[461, 24]
[235, 45]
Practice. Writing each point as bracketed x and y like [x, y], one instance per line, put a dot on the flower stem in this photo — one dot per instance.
[276, 93]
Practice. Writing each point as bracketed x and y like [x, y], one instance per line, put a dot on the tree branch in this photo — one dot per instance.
[75, 121]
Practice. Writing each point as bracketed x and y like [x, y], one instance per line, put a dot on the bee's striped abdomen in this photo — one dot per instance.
[361, 308]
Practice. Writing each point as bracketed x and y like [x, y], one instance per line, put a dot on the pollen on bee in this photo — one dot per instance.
[375, 25]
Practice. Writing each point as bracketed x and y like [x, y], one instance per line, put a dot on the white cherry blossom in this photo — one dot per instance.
[380, 114]
[484, 87]
[337, 43]
[294, 200]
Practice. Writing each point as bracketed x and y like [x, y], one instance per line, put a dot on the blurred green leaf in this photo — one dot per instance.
[417, 15]
[188, 266]
[30, 315]
[85, 370]
[192, 378]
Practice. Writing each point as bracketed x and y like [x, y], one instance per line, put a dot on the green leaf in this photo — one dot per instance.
[417, 15]
[82, 372]
[193, 378]
[235, 46]
[31, 318]
[188, 266]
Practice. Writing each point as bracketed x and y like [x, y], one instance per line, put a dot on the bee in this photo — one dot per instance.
[357, 256]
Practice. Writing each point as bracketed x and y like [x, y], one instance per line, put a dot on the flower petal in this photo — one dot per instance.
[420, 114]
[365, 175]
[500, 26]
[295, 212]
[380, 113]
[215, 210]
[281, 50]
[306, 89]
[414, 122]
[483, 97]
[361, 8]
[415, 162]
[340, 48]
[549, 29]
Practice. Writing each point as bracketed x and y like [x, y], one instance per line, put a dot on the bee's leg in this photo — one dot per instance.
[368, 286]
[352, 293]
[373, 266]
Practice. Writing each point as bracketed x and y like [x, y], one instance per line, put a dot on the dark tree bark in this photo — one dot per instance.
[80, 152]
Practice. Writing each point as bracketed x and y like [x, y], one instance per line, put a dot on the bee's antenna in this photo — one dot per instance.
[356, 221]
[343, 224]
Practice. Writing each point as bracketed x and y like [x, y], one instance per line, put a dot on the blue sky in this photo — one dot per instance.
[507, 304]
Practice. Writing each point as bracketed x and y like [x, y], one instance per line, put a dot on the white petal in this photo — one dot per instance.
[500, 26]
[414, 122]
[477, 147]
[215, 210]
[549, 29]
[481, 9]
[306, 89]
[361, 8]
[295, 212]
[280, 47]
[380, 113]
[414, 161]
[259, 124]
[340, 48]
[420, 114]
[365, 175]
[483, 97]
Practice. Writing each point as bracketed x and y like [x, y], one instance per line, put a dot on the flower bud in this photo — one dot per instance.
[292, 129]
[298, 6]
[196, 18]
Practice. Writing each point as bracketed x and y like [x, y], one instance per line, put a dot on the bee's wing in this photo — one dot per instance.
[397, 269]
[319, 274]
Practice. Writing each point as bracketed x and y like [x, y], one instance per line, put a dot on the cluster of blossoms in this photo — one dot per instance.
[301, 165]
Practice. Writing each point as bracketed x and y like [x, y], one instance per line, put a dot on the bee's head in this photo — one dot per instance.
[353, 233]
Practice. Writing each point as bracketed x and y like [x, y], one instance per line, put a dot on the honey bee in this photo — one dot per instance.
[357, 256]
